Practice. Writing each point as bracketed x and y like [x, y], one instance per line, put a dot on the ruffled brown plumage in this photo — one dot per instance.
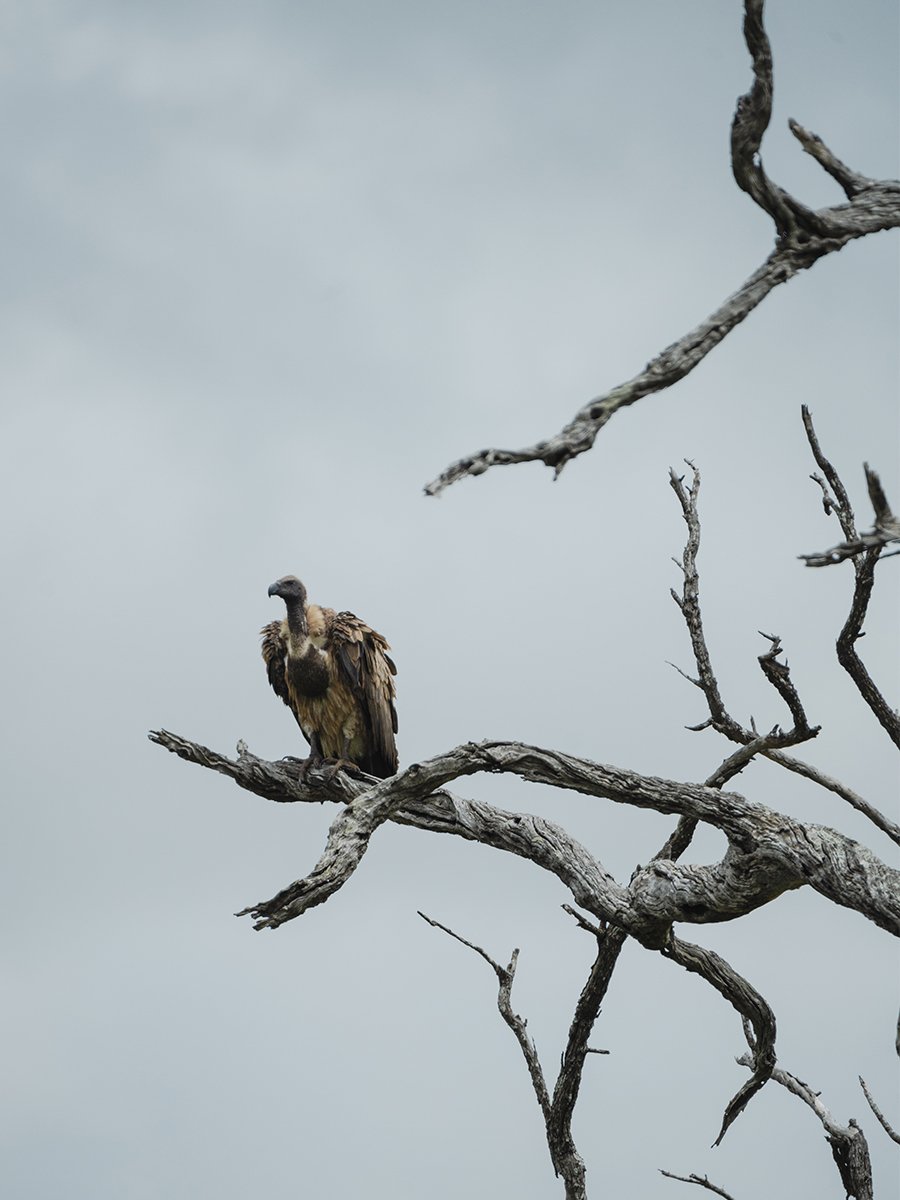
[334, 673]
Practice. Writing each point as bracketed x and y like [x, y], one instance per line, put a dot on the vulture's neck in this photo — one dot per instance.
[296, 619]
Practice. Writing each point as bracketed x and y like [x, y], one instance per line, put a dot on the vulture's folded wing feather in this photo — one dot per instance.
[274, 652]
[362, 660]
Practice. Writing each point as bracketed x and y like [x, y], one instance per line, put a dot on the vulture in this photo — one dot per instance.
[334, 674]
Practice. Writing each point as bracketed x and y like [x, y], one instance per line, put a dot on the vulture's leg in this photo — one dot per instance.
[315, 758]
[345, 762]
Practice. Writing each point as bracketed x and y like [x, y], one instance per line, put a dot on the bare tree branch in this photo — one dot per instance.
[846, 647]
[769, 745]
[776, 672]
[837, 501]
[875, 540]
[851, 181]
[882, 1119]
[505, 976]
[657, 895]
[883, 514]
[865, 552]
[565, 1158]
[348, 840]
[891, 828]
[848, 1143]
[689, 604]
[748, 1002]
[751, 120]
[700, 1180]
[779, 675]
[711, 967]
[769, 852]
[887, 528]
[568, 1082]
[558, 1112]
[804, 236]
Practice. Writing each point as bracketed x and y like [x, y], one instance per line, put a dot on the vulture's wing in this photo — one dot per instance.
[274, 652]
[365, 666]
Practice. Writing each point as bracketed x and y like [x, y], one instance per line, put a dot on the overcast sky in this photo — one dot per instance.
[268, 268]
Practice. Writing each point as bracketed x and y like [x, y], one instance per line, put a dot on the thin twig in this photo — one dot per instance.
[700, 1180]
[885, 824]
[505, 977]
[882, 1119]
[851, 181]
[779, 675]
[689, 604]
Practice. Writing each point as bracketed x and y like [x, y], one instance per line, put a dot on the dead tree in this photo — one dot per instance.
[768, 852]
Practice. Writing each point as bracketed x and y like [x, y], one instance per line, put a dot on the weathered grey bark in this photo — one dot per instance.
[768, 853]
[803, 236]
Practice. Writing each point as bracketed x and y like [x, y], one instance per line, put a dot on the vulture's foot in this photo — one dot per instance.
[341, 764]
[304, 765]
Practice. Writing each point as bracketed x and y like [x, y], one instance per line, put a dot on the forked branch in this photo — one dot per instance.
[865, 552]
[567, 1162]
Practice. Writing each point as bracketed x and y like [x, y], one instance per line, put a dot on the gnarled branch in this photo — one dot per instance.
[769, 852]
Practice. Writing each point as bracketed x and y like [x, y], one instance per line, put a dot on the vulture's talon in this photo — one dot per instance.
[333, 765]
[303, 766]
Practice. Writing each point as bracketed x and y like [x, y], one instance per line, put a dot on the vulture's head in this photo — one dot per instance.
[290, 589]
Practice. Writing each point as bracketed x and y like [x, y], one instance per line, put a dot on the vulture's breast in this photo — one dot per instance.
[308, 673]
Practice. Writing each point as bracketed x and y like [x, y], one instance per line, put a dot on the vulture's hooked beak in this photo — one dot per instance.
[274, 590]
